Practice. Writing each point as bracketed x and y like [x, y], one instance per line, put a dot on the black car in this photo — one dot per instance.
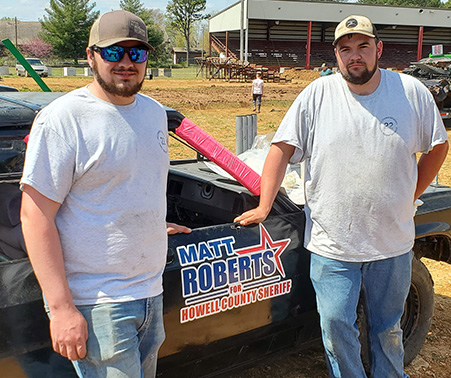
[232, 294]
[6, 88]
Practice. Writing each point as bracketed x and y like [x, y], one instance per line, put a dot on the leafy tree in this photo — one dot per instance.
[161, 53]
[183, 14]
[133, 6]
[155, 34]
[36, 47]
[66, 27]
[158, 18]
[405, 3]
[177, 38]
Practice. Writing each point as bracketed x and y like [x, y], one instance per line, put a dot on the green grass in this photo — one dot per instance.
[56, 71]
[59, 71]
[188, 73]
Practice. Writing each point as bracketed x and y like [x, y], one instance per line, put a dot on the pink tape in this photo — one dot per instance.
[220, 155]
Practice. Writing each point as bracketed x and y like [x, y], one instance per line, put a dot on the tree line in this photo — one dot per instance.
[66, 26]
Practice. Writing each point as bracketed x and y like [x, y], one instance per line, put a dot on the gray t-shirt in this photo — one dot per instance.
[107, 165]
[361, 169]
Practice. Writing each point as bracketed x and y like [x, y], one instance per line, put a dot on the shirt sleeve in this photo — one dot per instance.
[49, 161]
[433, 130]
[295, 128]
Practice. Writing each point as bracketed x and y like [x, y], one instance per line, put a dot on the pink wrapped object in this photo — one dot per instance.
[220, 155]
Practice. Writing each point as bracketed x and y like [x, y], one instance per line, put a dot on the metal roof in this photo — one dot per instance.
[327, 12]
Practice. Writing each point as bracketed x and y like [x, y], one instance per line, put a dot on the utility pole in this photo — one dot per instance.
[15, 29]
[203, 40]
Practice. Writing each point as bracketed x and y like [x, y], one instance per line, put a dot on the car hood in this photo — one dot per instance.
[20, 108]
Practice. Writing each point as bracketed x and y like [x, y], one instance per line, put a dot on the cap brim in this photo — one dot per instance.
[353, 32]
[112, 41]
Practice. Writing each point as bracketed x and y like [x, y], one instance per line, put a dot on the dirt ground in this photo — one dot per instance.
[213, 105]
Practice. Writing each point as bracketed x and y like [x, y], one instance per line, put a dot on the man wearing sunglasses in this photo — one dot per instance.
[94, 207]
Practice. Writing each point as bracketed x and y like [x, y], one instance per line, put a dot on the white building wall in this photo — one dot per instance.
[228, 19]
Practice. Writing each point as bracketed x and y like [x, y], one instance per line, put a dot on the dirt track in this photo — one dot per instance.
[213, 106]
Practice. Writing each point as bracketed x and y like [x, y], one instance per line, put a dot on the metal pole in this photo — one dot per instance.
[246, 45]
[420, 42]
[203, 38]
[246, 41]
[309, 41]
[15, 29]
[203, 42]
[245, 132]
[227, 44]
[239, 134]
[16, 53]
[242, 31]
[209, 42]
[250, 131]
[254, 127]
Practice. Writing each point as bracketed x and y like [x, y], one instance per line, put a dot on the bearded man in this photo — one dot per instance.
[94, 208]
[359, 132]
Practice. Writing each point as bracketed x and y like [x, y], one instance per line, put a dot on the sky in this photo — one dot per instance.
[33, 10]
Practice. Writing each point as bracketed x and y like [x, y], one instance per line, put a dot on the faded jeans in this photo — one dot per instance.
[123, 339]
[385, 285]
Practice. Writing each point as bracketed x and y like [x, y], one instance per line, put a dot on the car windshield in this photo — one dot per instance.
[34, 62]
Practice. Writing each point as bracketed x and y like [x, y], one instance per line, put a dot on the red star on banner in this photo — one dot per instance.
[266, 243]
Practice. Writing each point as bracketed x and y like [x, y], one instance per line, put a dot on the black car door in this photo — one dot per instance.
[233, 294]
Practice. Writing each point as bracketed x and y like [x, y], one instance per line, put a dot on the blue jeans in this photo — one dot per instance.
[385, 285]
[123, 339]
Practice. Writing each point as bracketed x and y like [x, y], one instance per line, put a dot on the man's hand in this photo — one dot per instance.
[256, 215]
[174, 228]
[69, 333]
[273, 172]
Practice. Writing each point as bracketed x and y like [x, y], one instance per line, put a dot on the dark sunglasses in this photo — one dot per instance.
[115, 53]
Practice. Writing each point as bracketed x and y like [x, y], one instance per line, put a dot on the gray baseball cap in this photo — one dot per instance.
[118, 26]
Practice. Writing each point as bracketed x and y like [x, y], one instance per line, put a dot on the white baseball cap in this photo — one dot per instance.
[355, 24]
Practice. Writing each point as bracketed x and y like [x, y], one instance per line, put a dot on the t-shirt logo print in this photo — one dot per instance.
[389, 126]
[162, 141]
[351, 23]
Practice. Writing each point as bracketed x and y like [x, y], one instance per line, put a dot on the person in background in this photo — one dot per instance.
[257, 91]
[94, 208]
[325, 71]
[359, 132]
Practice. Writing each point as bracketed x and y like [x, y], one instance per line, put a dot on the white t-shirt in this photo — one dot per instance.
[257, 86]
[107, 165]
[361, 169]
